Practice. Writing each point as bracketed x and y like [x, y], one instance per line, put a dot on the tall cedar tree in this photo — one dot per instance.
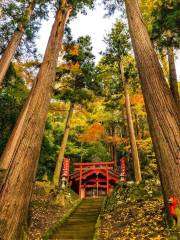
[12, 46]
[134, 150]
[22, 151]
[162, 111]
[163, 114]
[59, 162]
[117, 47]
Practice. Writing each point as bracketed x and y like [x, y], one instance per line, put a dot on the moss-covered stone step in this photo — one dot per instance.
[81, 224]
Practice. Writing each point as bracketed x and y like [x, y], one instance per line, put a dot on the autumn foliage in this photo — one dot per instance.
[97, 132]
[93, 133]
[137, 99]
[72, 67]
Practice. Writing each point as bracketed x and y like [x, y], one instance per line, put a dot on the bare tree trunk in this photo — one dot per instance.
[16, 191]
[162, 111]
[57, 172]
[134, 150]
[173, 76]
[124, 127]
[9, 53]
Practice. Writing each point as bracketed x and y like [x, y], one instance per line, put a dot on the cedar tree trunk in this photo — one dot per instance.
[134, 150]
[57, 172]
[173, 76]
[16, 190]
[9, 52]
[163, 114]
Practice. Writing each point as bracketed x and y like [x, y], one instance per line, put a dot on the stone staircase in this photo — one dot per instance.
[81, 223]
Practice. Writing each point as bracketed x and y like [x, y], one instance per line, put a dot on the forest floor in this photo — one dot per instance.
[45, 210]
[130, 212]
[135, 212]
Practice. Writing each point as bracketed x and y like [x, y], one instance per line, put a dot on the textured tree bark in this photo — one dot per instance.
[9, 52]
[57, 171]
[17, 187]
[163, 114]
[173, 76]
[134, 150]
[132, 138]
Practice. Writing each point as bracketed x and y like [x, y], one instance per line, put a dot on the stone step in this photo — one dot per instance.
[81, 224]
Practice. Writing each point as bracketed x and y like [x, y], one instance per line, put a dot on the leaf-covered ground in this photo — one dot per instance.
[46, 209]
[134, 213]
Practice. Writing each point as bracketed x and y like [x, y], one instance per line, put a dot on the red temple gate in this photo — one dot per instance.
[94, 179]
